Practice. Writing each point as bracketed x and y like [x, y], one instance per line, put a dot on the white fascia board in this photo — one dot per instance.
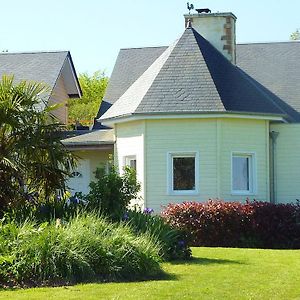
[129, 118]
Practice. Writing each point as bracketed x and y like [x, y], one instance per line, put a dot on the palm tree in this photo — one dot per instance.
[32, 158]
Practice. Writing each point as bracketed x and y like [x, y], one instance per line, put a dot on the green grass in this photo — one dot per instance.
[214, 273]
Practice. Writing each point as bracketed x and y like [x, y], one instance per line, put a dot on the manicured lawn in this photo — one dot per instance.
[214, 273]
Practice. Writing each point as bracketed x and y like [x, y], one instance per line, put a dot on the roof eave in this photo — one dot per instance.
[186, 115]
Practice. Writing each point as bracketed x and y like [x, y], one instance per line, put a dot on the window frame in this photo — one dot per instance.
[252, 173]
[127, 159]
[170, 175]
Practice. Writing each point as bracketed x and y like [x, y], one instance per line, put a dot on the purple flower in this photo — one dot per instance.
[125, 217]
[148, 211]
[181, 243]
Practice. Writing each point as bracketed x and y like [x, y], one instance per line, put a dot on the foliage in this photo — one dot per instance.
[232, 224]
[111, 193]
[46, 209]
[32, 158]
[295, 35]
[85, 248]
[93, 88]
[173, 245]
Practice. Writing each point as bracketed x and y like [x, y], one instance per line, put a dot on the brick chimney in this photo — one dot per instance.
[218, 29]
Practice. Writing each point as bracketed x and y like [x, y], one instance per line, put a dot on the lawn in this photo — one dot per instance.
[214, 273]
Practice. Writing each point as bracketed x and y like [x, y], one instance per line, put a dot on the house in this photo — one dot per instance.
[55, 69]
[205, 117]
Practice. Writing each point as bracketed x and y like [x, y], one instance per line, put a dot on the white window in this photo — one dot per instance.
[183, 173]
[130, 161]
[243, 177]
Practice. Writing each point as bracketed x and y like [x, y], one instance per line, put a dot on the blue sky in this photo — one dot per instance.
[95, 30]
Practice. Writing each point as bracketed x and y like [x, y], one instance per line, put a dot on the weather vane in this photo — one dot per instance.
[190, 7]
[199, 10]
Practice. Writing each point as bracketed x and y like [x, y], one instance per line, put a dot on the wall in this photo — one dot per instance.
[59, 96]
[287, 162]
[214, 139]
[88, 162]
[130, 142]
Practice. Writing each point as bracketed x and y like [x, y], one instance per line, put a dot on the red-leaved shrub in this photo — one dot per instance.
[233, 224]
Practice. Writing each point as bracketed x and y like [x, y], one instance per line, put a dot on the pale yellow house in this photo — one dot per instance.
[204, 118]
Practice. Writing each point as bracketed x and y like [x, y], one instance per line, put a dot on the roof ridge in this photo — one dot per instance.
[146, 47]
[34, 52]
[270, 43]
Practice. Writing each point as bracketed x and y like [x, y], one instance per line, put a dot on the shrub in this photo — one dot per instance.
[213, 223]
[112, 193]
[276, 225]
[173, 244]
[233, 224]
[85, 248]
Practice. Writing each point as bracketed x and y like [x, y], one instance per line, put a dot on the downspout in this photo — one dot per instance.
[273, 173]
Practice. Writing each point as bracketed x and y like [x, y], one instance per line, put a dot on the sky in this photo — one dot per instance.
[94, 30]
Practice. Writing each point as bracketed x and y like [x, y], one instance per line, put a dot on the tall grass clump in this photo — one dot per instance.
[172, 241]
[87, 248]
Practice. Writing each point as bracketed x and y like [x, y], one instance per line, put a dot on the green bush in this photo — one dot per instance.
[173, 245]
[86, 248]
[112, 193]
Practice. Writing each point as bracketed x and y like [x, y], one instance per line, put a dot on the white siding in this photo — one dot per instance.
[130, 142]
[287, 159]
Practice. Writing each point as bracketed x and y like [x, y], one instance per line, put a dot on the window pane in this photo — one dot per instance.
[183, 173]
[240, 173]
[132, 164]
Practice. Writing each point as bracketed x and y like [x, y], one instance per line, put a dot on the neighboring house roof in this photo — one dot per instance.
[43, 67]
[192, 76]
[95, 139]
[276, 66]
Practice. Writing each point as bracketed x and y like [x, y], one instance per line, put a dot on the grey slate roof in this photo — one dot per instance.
[274, 67]
[34, 66]
[194, 77]
[95, 137]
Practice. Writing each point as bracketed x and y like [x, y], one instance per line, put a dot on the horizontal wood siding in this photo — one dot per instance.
[60, 96]
[287, 159]
[245, 136]
[214, 140]
[179, 136]
[130, 142]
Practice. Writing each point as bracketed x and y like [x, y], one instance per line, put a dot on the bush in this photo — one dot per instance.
[173, 244]
[86, 248]
[276, 225]
[112, 193]
[233, 224]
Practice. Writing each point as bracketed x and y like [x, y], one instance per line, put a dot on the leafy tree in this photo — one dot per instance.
[85, 109]
[32, 158]
[295, 35]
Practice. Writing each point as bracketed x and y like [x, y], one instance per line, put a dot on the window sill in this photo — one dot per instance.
[243, 193]
[183, 193]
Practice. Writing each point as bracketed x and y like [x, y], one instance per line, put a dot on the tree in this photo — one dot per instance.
[32, 158]
[85, 109]
[295, 35]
